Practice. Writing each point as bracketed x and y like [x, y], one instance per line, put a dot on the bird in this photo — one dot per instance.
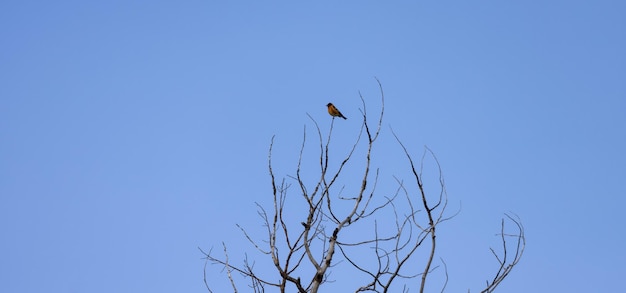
[333, 111]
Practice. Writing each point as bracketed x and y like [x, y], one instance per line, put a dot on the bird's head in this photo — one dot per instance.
[329, 104]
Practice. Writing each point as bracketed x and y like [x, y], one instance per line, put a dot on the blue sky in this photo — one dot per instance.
[134, 132]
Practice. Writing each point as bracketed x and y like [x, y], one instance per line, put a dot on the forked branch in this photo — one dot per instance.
[302, 244]
[511, 253]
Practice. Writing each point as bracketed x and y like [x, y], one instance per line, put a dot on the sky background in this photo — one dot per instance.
[134, 132]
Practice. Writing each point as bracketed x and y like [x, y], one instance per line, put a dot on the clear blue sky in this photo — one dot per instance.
[134, 132]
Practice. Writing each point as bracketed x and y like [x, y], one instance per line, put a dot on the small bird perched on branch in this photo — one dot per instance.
[333, 111]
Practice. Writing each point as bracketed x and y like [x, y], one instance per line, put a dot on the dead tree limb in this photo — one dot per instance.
[403, 223]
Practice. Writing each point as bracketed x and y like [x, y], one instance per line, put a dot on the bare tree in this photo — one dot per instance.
[401, 253]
